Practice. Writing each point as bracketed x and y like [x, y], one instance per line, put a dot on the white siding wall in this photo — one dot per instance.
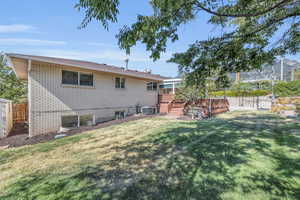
[50, 99]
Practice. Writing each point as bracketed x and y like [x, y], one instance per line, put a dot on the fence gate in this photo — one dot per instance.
[20, 113]
[253, 103]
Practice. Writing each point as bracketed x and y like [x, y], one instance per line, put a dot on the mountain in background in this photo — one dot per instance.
[290, 69]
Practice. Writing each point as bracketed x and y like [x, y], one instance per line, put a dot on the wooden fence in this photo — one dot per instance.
[20, 113]
[211, 106]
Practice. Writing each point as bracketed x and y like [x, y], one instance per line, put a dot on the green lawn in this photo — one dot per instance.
[239, 155]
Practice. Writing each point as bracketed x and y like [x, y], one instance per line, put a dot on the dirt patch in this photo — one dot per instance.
[23, 139]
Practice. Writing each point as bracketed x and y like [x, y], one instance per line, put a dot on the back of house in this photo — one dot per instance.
[72, 93]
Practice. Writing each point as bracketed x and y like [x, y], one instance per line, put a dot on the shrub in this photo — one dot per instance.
[257, 85]
[287, 89]
[241, 93]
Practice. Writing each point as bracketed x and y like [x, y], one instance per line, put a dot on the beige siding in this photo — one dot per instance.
[50, 99]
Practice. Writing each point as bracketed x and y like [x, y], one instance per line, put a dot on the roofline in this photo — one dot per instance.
[61, 63]
[10, 64]
[172, 79]
[5, 100]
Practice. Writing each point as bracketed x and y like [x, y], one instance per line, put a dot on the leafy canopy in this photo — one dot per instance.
[254, 32]
[11, 87]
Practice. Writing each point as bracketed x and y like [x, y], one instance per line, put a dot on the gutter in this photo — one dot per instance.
[101, 70]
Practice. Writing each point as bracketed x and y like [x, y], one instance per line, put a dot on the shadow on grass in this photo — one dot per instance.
[188, 160]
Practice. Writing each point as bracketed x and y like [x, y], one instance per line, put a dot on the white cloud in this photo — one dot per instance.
[16, 28]
[30, 42]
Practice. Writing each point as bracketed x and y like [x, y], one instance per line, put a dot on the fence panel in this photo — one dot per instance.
[252, 103]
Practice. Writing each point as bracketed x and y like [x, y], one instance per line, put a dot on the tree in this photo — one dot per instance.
[254, 32]
[11, 87]
[190, 94]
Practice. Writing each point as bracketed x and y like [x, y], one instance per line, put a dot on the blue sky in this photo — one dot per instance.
[50, 28]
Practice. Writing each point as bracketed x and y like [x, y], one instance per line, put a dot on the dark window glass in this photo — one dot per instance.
[154, 86]
[122, 83]
[86, 120]
[151, 86]
[69, 77]
[69, 121]
[119, 115]
[117, 83]
[86, 79]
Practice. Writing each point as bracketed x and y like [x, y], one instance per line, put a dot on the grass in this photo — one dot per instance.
[239, 155]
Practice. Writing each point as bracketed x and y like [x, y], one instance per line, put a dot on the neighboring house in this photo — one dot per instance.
[71, 93]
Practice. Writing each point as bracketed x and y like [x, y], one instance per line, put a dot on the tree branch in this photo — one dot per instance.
[242, 15]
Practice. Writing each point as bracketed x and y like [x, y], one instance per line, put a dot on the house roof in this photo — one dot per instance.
[84, 65]
[5, 100]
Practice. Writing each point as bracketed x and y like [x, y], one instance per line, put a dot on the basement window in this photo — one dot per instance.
[86, 120]
[70, 121]
[151, 86]
[77, 78]
[119, 114]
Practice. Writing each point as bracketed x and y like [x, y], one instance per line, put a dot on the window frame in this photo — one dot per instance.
[77, 116]
[85, 115]
[119, 114]
[152, 86]
[78, 120]
[78, 79]
[119, 85]
[62, 77]
[86, 73]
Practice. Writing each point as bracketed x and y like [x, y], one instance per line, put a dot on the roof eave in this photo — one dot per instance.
[16, 71]
[78, 66]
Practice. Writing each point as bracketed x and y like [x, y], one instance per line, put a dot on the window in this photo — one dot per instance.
[119, 114]
[77, 78]
[151, 86]
[119, 82]
[86, 120]
[69, 121]
[86, 79]
[70, 78]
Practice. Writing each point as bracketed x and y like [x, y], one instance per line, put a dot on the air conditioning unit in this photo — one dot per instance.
[148, 110]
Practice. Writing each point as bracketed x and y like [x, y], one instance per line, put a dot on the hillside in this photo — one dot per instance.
[289, 66]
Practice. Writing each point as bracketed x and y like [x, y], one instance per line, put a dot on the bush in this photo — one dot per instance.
[257, 85]
[241, 93]
[287, 89]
